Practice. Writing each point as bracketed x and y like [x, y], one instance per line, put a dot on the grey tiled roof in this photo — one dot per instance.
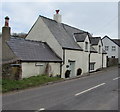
[94, 40]
[80, 37]
[117, 41]
[63, 33]
[28, 50]
[92, 50]
[7, 55]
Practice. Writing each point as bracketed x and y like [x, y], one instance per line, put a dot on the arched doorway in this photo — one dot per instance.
[67, 73]
[79, 71]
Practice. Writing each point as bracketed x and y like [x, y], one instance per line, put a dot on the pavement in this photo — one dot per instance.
[98, 91]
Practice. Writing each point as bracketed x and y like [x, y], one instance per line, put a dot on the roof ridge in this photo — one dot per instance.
[80, 32]
[72, 27]
[28, 40]
[47, 18]
[61, 23]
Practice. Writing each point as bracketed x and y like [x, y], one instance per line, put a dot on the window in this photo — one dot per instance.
[106, 48]
[92, 65]
[99, 49]
[86, 46]
[113, 48]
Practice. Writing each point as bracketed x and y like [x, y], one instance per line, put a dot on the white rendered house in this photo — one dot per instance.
[72, 45]
[111, 46]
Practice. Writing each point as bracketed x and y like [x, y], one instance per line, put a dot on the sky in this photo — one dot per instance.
[98, 18]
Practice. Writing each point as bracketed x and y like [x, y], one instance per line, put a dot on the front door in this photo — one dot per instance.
[72, 68]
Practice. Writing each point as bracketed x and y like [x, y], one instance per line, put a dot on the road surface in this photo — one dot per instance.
[95, 92]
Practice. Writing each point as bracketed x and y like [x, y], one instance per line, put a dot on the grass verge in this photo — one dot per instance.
[11, 85]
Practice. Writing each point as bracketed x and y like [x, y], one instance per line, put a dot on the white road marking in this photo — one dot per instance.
[116, 78]
[41, 109]
[90, 89]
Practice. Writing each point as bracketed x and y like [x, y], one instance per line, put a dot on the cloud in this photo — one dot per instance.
[97, 18]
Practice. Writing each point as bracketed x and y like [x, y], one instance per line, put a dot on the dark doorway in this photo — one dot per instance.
[79, 71]
[67, 74]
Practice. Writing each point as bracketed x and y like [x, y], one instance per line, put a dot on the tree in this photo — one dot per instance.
[19, 35]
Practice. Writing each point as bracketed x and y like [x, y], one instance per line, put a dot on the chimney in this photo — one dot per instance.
[6, 30]
[57, 16]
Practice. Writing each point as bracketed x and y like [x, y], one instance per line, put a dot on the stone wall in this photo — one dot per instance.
[112, 61]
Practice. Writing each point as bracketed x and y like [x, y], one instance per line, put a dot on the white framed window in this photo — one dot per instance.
[92, 66]
[106, 48]
[113, 48]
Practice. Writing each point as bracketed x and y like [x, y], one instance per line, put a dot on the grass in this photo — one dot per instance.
[11, 85]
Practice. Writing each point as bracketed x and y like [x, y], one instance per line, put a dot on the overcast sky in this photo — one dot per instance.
[98, 18]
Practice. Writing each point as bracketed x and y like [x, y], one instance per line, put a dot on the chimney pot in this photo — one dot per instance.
[6, 30]
[7, 21]
[57, 11]
[57, 16]
[7, 17]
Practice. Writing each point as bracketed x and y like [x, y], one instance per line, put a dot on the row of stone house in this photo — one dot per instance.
[54, 48]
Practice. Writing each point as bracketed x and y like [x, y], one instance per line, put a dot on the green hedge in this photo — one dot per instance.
[10, 85]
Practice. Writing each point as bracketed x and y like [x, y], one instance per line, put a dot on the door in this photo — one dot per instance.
[72, 68]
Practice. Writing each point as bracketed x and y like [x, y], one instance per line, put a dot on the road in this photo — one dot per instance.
[95, 92]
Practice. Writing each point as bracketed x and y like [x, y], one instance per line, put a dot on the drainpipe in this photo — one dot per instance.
[89, 62]
[63, 62]
[60, 69]
[102, 60]
[63, 56]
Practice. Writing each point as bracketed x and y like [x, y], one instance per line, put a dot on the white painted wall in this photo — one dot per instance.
[41, 32]
[55, 68]
[97, 58]
[108, 42]
[30, 69]
[82, 44]
[104, 60]
[81, 61]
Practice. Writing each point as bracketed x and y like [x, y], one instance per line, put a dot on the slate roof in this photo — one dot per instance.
[7, 56]
[33, 51]
[94, 40]
[93, 50]
[63, 33]
[80, 37]
[117, 41]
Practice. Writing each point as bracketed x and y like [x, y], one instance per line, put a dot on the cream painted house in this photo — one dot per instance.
[75, 47]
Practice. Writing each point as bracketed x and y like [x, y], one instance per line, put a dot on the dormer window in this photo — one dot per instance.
[99, 49]
[86, 46]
